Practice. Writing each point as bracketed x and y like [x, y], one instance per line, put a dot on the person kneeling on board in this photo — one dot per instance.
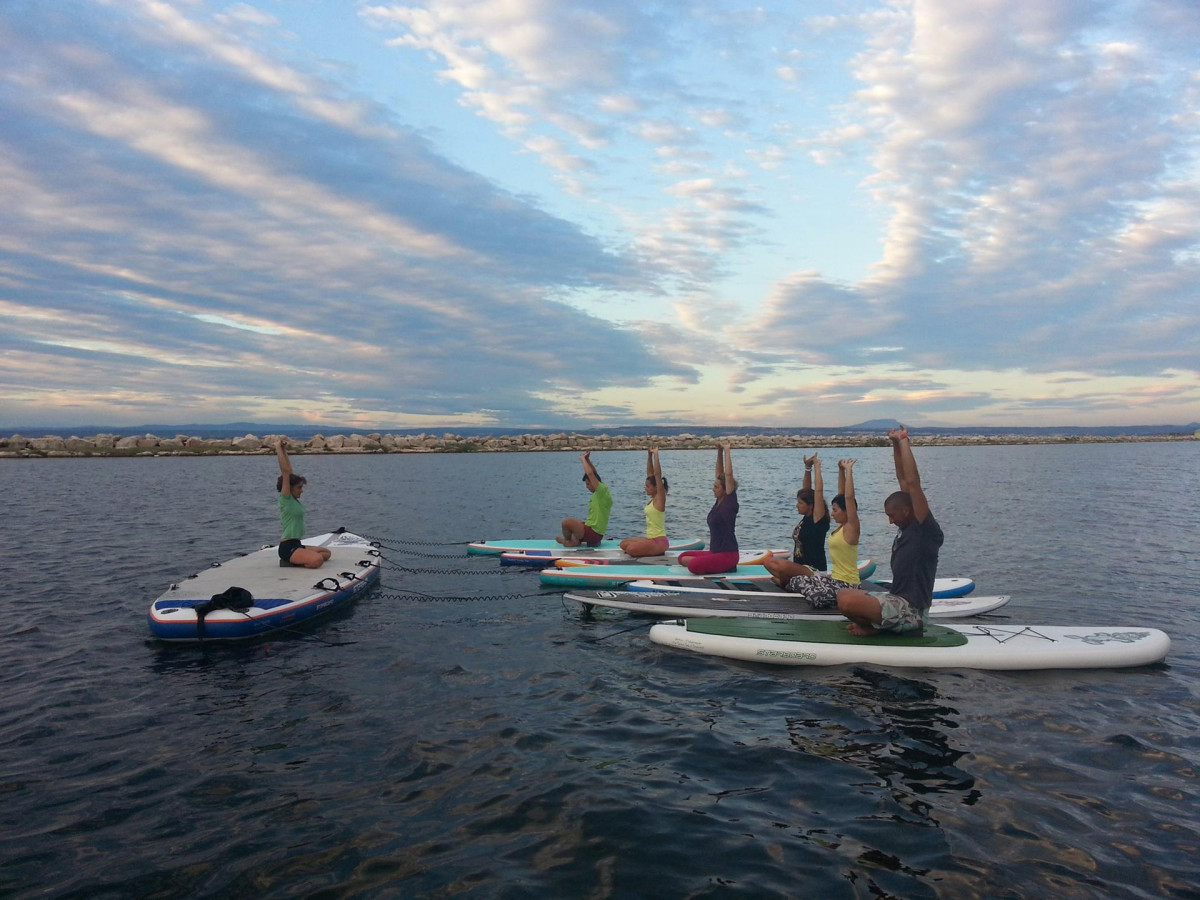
[291, 515]
[591, 531]
[808, 538]
[914, 556]
[655, 542]
[722, 553]
[818, 588]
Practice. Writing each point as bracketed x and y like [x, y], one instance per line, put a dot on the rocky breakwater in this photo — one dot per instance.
[110, 445]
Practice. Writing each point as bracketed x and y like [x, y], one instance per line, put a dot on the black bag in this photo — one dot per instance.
[236, 598]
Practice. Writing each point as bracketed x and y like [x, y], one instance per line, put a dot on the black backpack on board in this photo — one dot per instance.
[236, 598]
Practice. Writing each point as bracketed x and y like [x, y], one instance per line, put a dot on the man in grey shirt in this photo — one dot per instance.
[905, 608]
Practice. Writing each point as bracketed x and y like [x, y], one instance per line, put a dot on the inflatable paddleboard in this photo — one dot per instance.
[541, 559]
[804, 643]
[746, 558]
[595, 577]
[278, 597]
[943, 588]
[703, 602]
[554, 549]
[583, 576]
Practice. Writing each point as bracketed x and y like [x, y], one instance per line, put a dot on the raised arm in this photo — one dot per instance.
[906, 472]
[654, 468]
[285, 468]
[819, 510]
[809, 461]
[896, 461]
[725, 467]
[589, 470]
[852, 530]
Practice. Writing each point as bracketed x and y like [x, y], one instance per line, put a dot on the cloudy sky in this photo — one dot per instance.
[575, 213]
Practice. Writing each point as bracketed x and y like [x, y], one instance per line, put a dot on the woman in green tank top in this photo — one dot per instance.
[291, 516]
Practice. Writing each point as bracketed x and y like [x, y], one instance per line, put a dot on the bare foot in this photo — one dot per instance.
[861, 630]
[562, 540]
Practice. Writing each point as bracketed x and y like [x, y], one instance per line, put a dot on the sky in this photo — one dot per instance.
[588, 213]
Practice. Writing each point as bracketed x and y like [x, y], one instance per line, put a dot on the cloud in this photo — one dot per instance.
[244, 14]
[850, 396]
[1040, 182]
[182, 221]
[716, 202]
[566, 81]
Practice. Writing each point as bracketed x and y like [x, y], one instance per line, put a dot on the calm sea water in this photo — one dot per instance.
[502, 746]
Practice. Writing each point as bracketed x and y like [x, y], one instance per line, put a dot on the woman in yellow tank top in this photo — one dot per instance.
[655, 542]
[843, 540]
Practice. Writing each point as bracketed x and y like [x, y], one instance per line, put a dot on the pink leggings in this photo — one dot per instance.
[706, 562]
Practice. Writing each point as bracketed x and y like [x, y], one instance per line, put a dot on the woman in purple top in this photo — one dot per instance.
[722, 552]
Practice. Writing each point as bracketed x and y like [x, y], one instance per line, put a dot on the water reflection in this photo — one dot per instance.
[894, 727]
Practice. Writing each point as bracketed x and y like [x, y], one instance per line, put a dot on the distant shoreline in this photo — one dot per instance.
[116, 445]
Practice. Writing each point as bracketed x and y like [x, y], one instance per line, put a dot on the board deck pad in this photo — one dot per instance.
[821, 632]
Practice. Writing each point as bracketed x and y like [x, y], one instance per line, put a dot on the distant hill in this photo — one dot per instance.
[237, 429]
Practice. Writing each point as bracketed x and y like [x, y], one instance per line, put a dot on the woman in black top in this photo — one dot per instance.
[808, 537]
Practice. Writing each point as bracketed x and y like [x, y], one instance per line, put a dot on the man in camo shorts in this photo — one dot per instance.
[914, 557]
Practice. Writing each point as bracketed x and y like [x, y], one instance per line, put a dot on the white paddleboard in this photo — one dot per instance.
[281, 596]
[807, 643]
[699, 602]
[943, 588]
[585, 576]
[594, 577]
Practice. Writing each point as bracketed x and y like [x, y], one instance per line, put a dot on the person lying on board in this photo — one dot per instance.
[722, 553]
[808, 538]
[914, 556]
[291, 515]
[590, 531]
[818, 588]
[655, 542]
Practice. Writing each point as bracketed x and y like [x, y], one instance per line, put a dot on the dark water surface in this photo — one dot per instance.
[502, 746]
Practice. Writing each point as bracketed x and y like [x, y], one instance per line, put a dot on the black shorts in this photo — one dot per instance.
[287, 548]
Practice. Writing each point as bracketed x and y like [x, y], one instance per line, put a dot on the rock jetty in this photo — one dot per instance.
[116, 445]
